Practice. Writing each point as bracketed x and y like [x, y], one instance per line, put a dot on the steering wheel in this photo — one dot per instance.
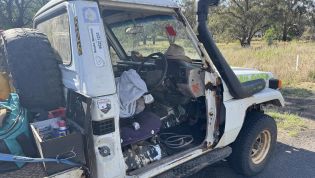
[157, 56]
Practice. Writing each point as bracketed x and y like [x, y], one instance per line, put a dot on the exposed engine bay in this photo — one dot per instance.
[168, 124]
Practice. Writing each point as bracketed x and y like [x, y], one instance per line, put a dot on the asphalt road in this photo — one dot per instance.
[286, 162]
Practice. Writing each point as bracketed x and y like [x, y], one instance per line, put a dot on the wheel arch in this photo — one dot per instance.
[236, 111]
[275, 102]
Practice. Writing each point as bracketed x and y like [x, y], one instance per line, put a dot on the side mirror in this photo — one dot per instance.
[134, 30]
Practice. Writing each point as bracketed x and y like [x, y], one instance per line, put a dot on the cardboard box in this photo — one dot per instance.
[59, 147]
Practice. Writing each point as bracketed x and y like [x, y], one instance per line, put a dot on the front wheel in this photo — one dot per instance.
[254, 145]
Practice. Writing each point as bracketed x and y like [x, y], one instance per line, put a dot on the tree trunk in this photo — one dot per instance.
[144, 39]
[249, 41]
[153, 39]
[245, 42]
[285, 32]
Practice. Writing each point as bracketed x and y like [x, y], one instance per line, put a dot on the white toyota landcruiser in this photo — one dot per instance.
[157, 99]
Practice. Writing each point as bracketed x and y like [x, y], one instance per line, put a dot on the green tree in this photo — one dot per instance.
[18, 13]
[220, 25]
[311, 12]
[245, 18]
[290, 17]
[189, 10]
[270, 35]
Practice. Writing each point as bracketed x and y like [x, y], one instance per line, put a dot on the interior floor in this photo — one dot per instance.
[197, 132]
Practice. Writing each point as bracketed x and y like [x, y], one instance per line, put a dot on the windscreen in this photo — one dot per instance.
[151, 34]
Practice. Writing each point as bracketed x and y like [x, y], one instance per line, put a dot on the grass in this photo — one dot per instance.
[296, 92]
[307, 85]
[279, 58]
[289, 123]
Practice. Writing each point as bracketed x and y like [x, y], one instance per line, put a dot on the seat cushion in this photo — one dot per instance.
[149, 126]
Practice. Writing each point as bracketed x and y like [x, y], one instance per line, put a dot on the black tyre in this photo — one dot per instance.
[32, 64]
[254, 145]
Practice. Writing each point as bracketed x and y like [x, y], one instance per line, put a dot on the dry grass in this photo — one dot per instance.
[289, 123]
[279, 58]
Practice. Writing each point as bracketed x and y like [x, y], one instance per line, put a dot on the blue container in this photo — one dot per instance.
[15, 137]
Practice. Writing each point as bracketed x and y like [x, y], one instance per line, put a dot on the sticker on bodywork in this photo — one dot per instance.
[97, 46]
[77, 35]
[90, 15]
[250, 77]
[104, 105]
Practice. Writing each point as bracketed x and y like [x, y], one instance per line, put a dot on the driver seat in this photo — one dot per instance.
[136, 124]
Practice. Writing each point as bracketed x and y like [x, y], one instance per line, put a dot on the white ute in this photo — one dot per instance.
[159, 100]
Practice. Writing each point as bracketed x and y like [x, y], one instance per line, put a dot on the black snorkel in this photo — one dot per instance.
[237, 89]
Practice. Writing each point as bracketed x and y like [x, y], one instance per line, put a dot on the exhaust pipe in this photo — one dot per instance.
[237, 89]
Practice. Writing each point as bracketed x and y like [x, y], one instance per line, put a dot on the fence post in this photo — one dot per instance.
[297, 63]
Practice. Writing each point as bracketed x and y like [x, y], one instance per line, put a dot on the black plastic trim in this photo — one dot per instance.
[274, 84]
[103, 127]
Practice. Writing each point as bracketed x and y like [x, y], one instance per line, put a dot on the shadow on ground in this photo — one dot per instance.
[301, 107]
[296, 92]
[286, 162]
[299, 101]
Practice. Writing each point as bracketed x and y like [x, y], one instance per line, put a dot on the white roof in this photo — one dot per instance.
[48, 5]
[161, 3]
